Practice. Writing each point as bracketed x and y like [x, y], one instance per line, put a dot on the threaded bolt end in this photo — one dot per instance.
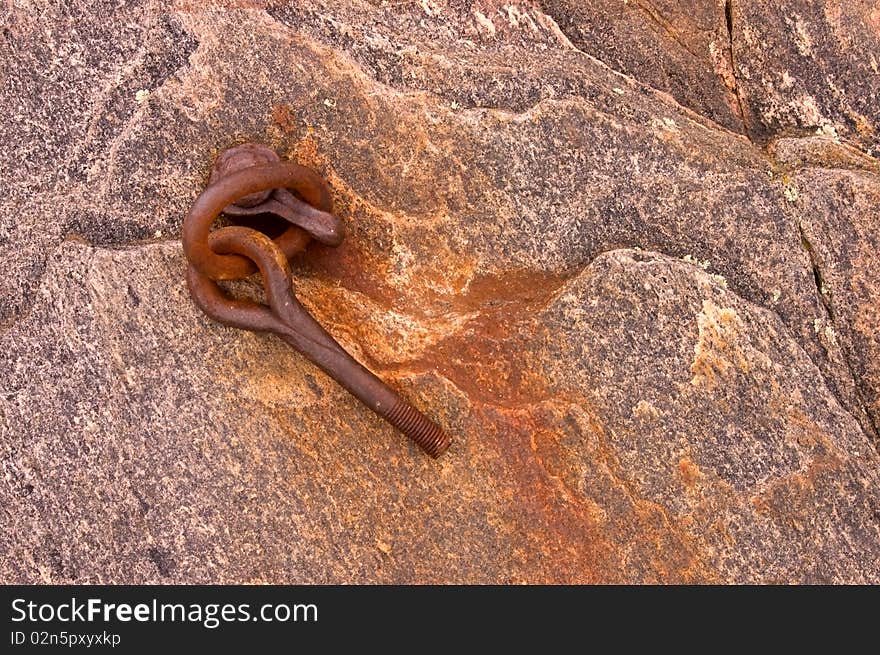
[418, 427]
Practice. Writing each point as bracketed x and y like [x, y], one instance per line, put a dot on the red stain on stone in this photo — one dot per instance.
[690, 472]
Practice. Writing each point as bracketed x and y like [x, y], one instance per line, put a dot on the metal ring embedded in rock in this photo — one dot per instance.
[225, 192]
[248, 180]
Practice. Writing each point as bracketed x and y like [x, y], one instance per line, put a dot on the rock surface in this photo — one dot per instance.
[809, 67]
[682, 48]
[653, 340]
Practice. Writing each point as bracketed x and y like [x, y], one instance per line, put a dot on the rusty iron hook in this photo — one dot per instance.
[232, 252]
[321, 225]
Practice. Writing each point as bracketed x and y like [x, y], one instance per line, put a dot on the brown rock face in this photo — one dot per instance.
[653, 340]
[806, 67]
[842, 232]
[682, 48]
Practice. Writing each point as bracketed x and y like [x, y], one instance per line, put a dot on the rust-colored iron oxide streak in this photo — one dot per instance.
[251, 180]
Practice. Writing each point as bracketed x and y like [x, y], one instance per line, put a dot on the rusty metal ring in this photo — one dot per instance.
[223, 308]
[226, 191]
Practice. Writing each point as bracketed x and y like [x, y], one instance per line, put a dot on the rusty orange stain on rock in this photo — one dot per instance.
[690, 472]
[353, 267]
[307, 152]
[486, 359]
[521, 287]
[583, 523]
[561, 531]
[283, 117]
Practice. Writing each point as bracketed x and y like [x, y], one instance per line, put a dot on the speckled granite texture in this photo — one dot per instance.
[626, 254]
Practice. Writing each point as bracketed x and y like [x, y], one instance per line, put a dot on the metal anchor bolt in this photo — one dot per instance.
[251, 180]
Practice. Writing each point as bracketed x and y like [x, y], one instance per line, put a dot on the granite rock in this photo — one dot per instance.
[809, 67]
[682, 48]
[653, 341]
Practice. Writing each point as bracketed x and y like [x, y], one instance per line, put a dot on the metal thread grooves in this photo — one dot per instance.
[418, 427]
